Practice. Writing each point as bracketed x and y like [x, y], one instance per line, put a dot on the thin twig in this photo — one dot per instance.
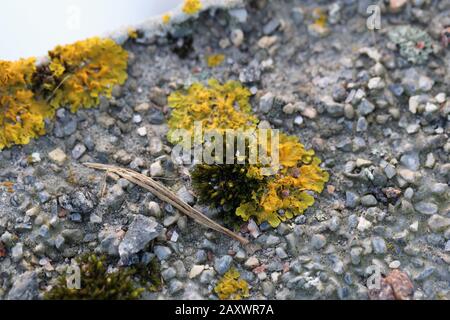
[168, 196]
[59, 86]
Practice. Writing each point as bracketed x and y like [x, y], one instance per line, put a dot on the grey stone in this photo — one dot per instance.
[237, 37]
[390, 171]
[180, 268]
[162, 252]
[154, 209]
[447, 246]
[298, 15]
[268, 288]
[184, 194]
[411, 161]
[201, 257]
[334, 223]
[79, 201]
[351, 199]
[427, 208]
[379, 245]
[250, 74]
[281, 253]
[17, 252]
[266, 102]
[25, 287]
[169, 274]
[369, 201]
[271, 26]
[361, 125]
[334, 109]
[365, 107]
[355, 255]
[115, 198]
[156, 169]
[140, 232]
[175, 286]
[223, 264]
[272, 240]
[44, 197]
[318, 241]
[426, 273]
[78, 151]
[438, 223]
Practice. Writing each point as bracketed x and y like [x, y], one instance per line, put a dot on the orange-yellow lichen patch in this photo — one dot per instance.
[192, 6]
[217, 106]
[231, 287]
[76, 76]
[21, 114]
[85, 71]
[132, 33]
[8, 185]
[166, 18]
[215, 60]
[288, 192]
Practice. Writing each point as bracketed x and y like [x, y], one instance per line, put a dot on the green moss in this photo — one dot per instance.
[149, 275]
[98, 284]
[224, 187]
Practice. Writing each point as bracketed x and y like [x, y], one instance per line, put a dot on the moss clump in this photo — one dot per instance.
[217, 106]
[231, 287]
[98, 284]
[224, 187]
[246, 192]
[149, 275]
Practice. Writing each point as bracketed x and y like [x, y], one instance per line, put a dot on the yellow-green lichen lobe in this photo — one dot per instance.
[231, 286]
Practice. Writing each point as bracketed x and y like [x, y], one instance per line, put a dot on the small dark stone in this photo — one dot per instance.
[79, 201]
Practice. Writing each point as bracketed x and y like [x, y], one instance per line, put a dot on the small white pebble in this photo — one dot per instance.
[35, 157]
[440, 97]
[142, 131]
[137, 118]
[298, 120]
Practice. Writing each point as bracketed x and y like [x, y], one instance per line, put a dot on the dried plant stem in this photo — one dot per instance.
[168, 196]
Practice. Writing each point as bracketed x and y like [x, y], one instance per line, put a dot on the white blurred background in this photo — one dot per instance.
[32, 27]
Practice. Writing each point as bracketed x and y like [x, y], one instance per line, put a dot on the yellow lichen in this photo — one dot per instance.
[231, 287]
[192, 6]
[132, 33]
[215, 60]
[217, 106]
[287, 193]
[320, 25]
[21, 115]
[76, 76]
[166, 18]
[85, 71]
